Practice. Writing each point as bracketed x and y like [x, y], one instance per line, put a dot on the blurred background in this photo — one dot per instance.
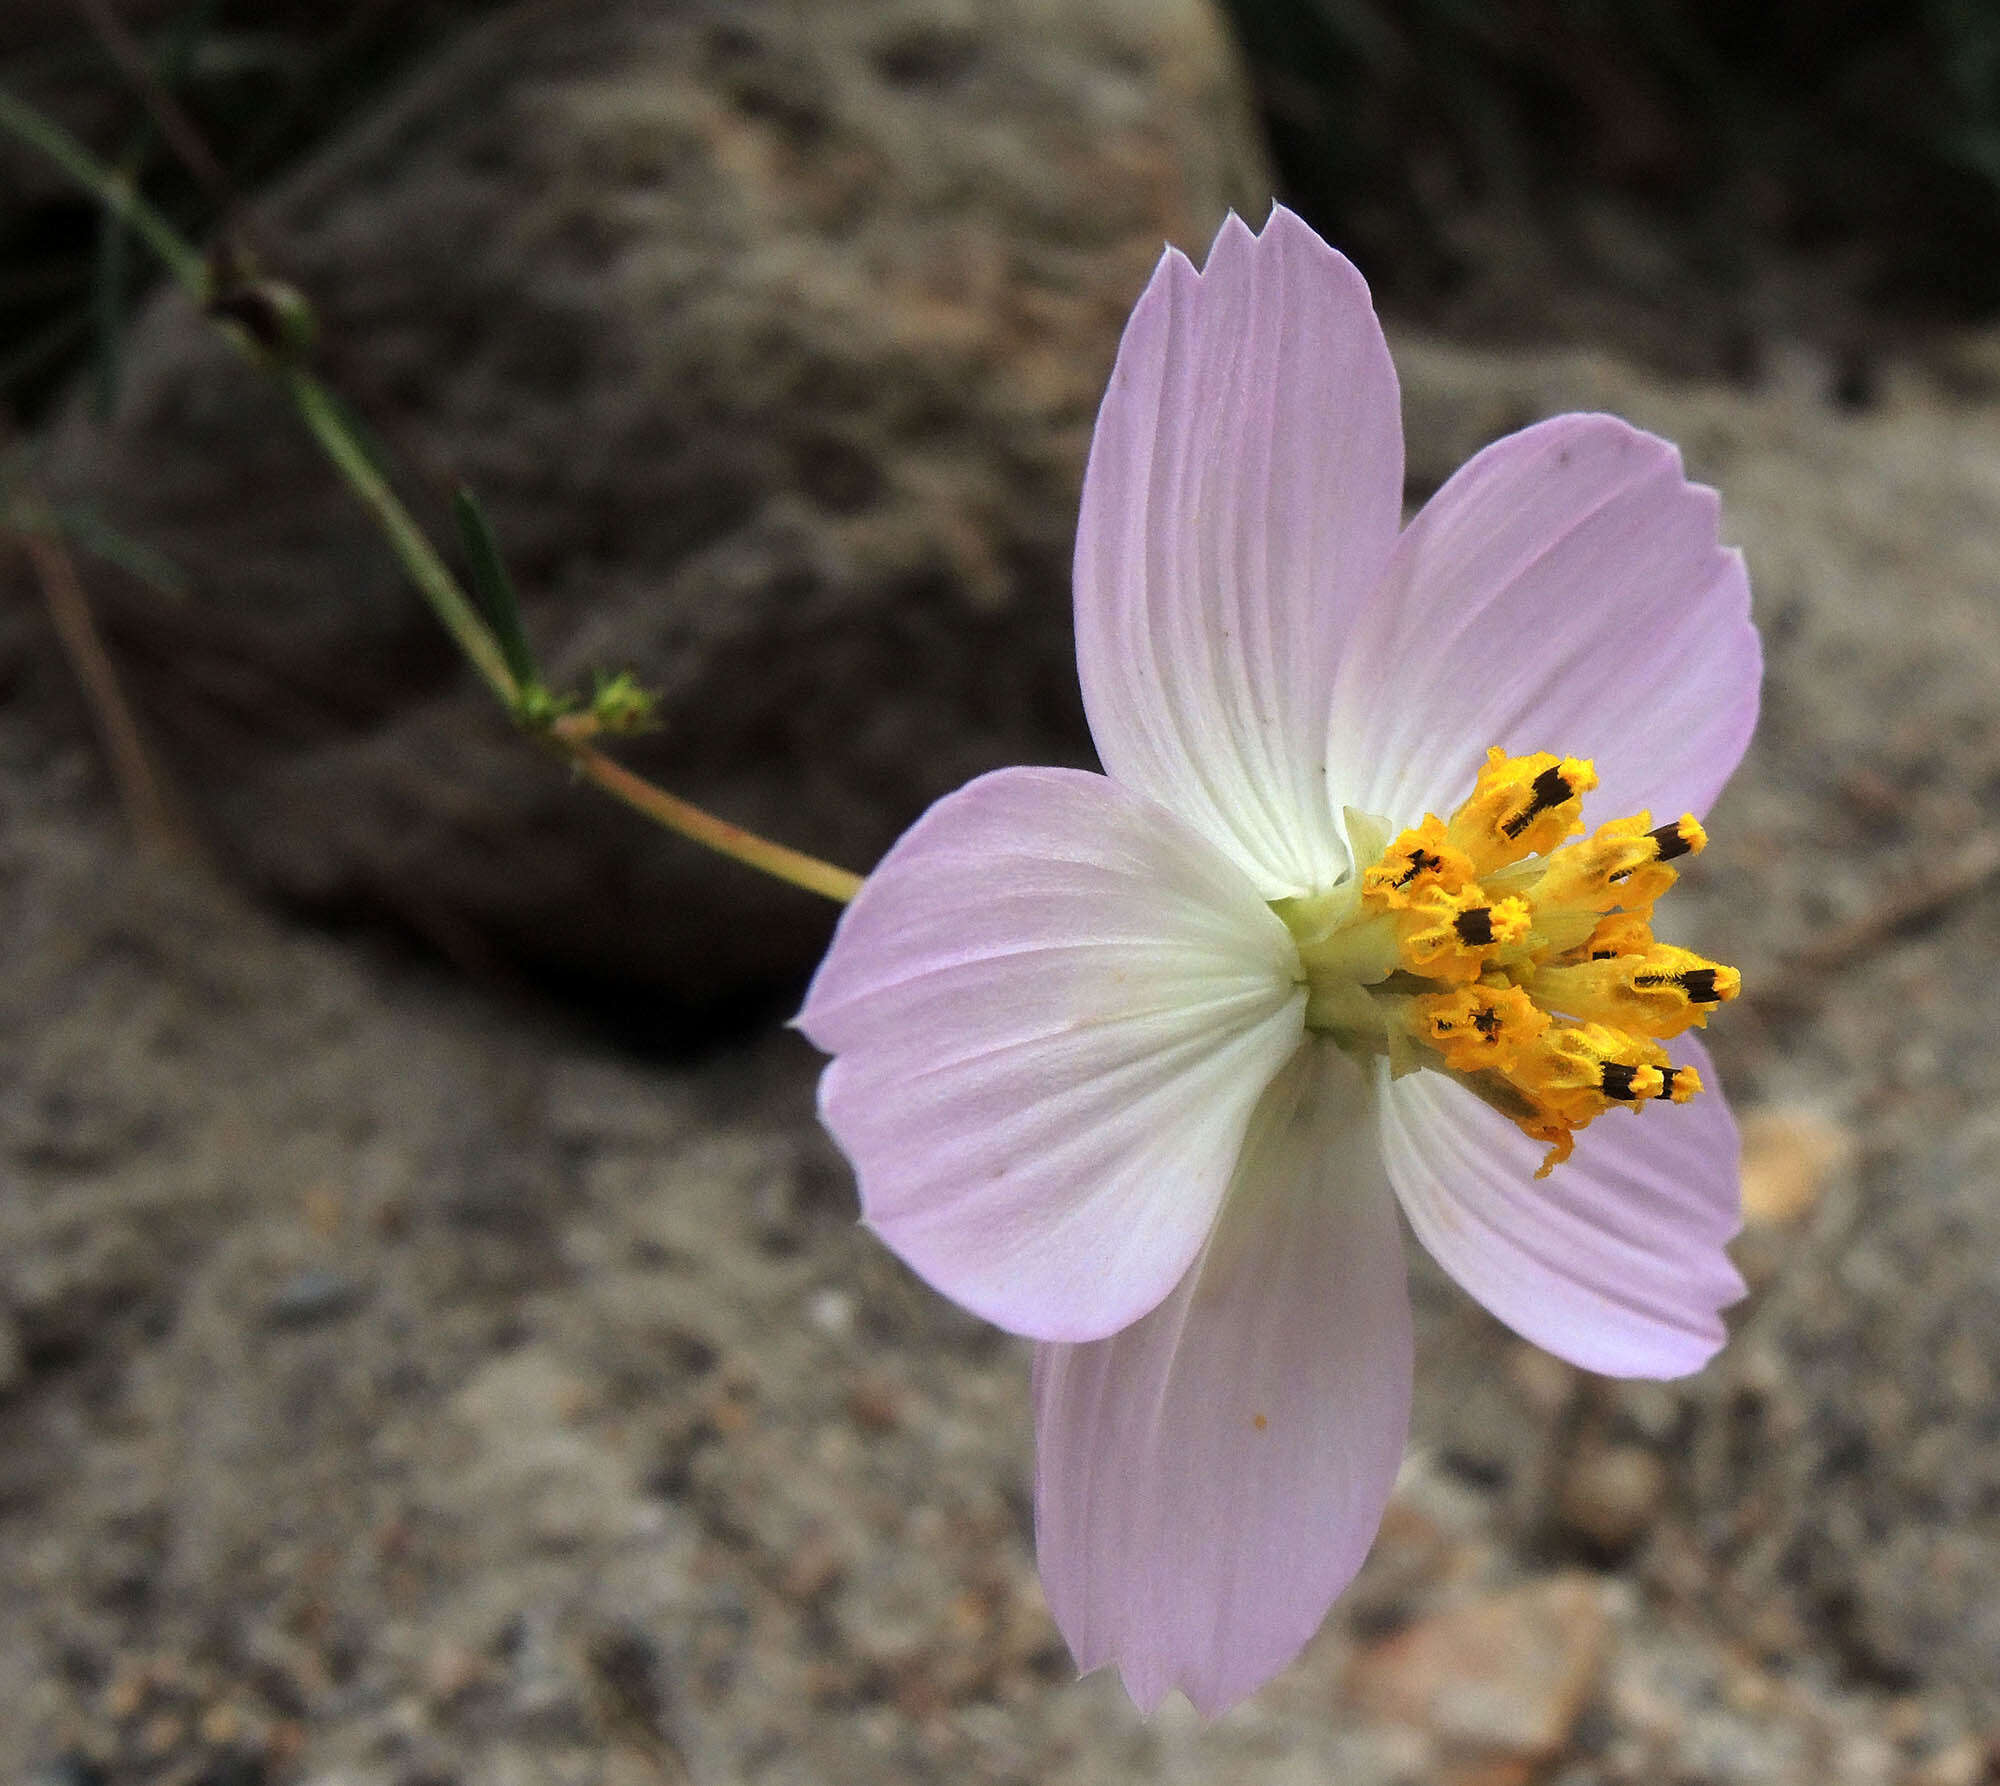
[1691, 176]
[435, 1343]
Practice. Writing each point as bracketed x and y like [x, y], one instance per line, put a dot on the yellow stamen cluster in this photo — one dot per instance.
[1522, 963]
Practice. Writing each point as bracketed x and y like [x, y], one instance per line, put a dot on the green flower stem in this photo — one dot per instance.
[406, 539]
[663, 808]
[328, 424]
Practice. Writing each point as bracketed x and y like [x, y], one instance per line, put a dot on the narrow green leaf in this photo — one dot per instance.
[86, 528]
[494, 588]
[109, 294]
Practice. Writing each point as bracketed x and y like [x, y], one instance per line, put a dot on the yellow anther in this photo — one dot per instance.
[1478, 1029]
[1451, 936]
[1684, 837]
[1575, 1072]
[1415, 863]
[1618, 933]
[1658, 992]
[1617, 865]
[1520, 806]
[1682, 1083]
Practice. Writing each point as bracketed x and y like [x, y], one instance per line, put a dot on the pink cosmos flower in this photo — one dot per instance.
[1142, 1064]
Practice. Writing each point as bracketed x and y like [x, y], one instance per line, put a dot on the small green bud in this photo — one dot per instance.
[537, 707]
[274, 316]
[621, 706]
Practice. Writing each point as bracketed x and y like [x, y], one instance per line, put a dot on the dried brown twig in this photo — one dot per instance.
[174, 125]
[1976, 863]
[156, 828]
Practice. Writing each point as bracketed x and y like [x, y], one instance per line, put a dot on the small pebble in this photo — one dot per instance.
[1611, 1495]
[452, 1671]
[163, 1733]
[311, 1296]
[875, 1405]
[221, 1725]
[1789, 1156]
[831, 1311]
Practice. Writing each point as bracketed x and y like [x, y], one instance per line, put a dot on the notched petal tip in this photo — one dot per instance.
[1232, 236]
[1286, 232]
[1242, 495]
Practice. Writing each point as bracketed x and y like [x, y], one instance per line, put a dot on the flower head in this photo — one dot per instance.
[1141, 1065]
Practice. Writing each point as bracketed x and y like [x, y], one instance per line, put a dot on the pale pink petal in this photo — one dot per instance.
[1614, 1261]
[1563, 592]
[1242, 498]
[1211, 1478]
[1053, 1008]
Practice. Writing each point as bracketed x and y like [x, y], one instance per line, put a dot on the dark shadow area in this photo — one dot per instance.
[261, 84]
[1685, 176]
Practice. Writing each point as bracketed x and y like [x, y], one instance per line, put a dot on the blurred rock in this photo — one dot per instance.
[771, 337]
[1499, 1681]
[1791, 1157]
[1433, 1540]
[607, 1105]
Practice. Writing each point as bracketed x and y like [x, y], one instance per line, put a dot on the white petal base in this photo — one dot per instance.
[1053, 1008]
